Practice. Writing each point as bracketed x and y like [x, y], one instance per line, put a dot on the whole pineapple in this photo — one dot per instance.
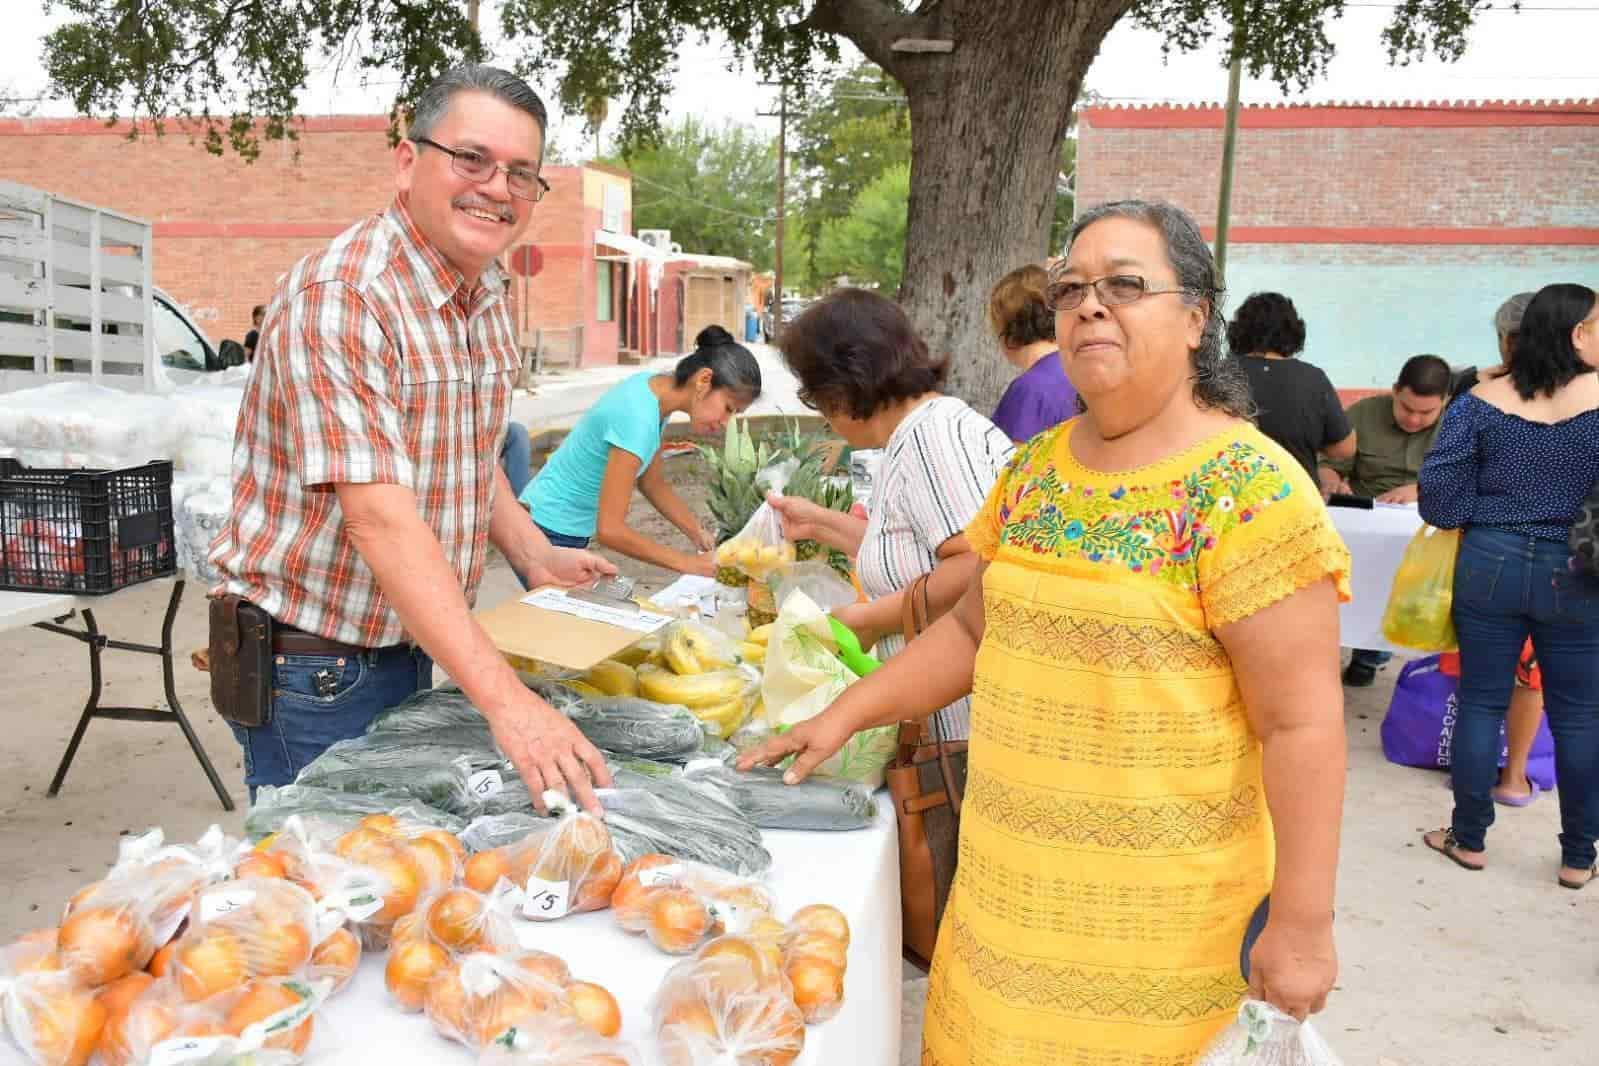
[830, 491]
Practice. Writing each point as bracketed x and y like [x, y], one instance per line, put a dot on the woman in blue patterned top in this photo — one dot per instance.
[1511, 465]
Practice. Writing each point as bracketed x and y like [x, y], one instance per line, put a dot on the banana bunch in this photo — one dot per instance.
[755, 558]
[718, 697]
[752, 649]
[692, 649]
[613, 678]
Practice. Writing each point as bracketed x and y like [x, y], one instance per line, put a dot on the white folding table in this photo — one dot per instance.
[51, 611]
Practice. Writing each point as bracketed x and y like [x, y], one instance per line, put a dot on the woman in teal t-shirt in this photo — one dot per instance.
[584, 490]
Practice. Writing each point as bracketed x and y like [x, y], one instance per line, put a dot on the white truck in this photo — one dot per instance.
[78, 301]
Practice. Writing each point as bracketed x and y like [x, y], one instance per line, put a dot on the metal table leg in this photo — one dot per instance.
[98, 642]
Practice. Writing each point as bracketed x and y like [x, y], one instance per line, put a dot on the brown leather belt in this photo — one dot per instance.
[287, 640]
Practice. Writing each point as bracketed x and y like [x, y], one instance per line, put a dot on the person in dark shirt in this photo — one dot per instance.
[252, 338]
[1299, 408]
[1041, 397]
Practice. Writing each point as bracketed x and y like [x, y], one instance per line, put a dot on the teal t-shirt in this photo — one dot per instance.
[565, 497]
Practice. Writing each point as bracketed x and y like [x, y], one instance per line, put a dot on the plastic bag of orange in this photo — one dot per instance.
[568, 867]
[270, 1021]
[679, 904]
[52, 1017]
[815, 957]
[239, 930]
[554, 1040]
[1419, 606]
[444, 926]
[476, 1000]
[113, 927]
[727, 1005]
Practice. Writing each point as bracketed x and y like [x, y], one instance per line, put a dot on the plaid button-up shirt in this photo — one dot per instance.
[375, 365]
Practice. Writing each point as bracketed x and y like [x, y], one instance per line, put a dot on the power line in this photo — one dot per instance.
[681, 195]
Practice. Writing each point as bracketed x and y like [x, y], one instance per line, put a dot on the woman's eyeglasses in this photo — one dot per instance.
[1113, 290]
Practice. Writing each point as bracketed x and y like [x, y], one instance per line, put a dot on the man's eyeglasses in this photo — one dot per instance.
[1114, 291]
[524, 183]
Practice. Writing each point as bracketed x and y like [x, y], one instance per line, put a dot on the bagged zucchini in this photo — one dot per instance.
[670, 815]
[433, 767]
[638, 727]
[445, 707]
[328, 807]
[815, 803]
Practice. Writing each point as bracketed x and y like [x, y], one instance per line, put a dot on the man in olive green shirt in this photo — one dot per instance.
[1393, 434]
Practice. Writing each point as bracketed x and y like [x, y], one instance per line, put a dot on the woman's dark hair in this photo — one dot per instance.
[731, 364]
[1018, 307]
[1544, 358]
[1266, 322]
[855, 353]
[1219, 382]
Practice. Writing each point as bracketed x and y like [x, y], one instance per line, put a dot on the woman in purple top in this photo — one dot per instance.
[1020, 316]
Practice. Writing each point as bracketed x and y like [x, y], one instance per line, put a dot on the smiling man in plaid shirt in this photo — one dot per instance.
[365, 483]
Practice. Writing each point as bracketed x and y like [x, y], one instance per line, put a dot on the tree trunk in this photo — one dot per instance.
[987, 120]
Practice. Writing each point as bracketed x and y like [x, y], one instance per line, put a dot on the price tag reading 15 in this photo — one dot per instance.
[547, 900]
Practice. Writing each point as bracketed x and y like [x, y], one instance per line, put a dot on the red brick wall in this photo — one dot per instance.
[227, 231]
[1354, 166]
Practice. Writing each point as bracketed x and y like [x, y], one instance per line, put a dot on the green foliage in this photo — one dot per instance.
[713, 186]
[868, 244]
[844, 137]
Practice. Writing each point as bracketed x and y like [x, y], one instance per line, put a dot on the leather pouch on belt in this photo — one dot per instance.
[241, 661]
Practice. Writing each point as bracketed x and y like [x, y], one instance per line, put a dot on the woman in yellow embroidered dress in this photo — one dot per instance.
[1152, 651]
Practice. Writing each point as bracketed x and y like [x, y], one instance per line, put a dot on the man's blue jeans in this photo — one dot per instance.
[311, 714]
[1509, 586]
[516, 457]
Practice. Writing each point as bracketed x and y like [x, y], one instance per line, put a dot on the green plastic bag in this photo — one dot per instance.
[1419, 607]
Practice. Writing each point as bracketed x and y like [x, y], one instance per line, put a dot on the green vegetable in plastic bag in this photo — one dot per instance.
[435, 767]
[815, 803]
[676, 817]
[445, 707]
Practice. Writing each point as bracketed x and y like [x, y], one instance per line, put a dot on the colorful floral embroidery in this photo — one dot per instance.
[1159, 528]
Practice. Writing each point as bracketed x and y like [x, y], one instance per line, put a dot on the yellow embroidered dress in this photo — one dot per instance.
[1115, 840]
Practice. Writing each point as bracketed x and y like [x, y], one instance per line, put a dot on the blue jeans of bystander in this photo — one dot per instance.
[1509, 586]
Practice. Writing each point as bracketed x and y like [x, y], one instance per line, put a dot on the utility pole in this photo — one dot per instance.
[471, 12]
[1229, 144]
[781, 114]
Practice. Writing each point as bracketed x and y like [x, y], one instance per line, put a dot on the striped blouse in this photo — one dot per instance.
[936, 471]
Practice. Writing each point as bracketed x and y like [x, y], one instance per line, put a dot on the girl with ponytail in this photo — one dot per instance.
[584, 491]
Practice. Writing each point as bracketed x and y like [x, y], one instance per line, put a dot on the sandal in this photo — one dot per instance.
[1517, 801]
[1578, 886]
[1449, 848]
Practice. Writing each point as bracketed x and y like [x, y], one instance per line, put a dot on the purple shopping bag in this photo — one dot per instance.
[1419, 727]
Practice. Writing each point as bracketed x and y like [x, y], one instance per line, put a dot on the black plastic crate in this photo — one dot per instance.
[85, 531]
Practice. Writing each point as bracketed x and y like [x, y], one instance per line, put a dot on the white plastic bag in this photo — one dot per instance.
[804, 675]
[1265, 1036]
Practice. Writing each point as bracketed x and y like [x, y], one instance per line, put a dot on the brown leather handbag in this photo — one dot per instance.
[926, 780]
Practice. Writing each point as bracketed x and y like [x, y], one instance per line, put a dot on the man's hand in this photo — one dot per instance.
[550, 753]
[1403, 494]
[1332, 481]
[1294, 965]
[570, 568]
[802, 518]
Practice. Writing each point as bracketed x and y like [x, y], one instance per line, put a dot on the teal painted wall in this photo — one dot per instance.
[1368, 308]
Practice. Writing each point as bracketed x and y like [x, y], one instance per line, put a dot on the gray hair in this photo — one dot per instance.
[1218, 381]
[434, 103]
[1507, 319]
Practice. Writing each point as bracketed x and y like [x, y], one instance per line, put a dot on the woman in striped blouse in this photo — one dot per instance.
[864, 368]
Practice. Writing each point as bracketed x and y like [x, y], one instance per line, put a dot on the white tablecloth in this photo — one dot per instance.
[1377, 541]
[858, 872]
[18, 609]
